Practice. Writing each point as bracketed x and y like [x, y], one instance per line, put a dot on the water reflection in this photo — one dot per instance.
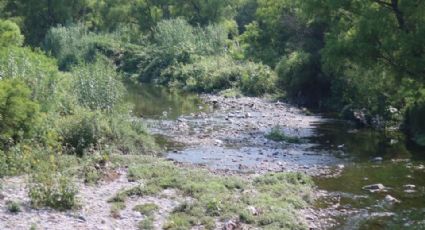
[158, 102]
[401, 165]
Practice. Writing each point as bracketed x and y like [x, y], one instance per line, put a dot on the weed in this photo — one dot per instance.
[275, 197]
[146, 224]
[146, 209]
[276, 134]
[116, 208]
[13, 207]
[51, 189]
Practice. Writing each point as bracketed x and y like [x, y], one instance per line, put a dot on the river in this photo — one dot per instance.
[341, 158]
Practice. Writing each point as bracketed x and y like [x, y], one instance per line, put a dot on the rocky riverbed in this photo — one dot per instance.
[232, 137]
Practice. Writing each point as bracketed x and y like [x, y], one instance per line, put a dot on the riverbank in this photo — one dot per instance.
[228, 199]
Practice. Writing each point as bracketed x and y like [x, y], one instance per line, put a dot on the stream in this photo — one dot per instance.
[229, 135]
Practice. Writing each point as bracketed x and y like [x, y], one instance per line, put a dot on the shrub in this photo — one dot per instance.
[83, 130]
[69, 45]
[176, 42]
[15, 160]
[177, 37]
[300, 76]
[217, 73]
[10, 34]
[97, 86]
[18, 113]
[50, 189]
[94, 130]
[276, 134]
[13, 207]
[415, 122]
[38, 72]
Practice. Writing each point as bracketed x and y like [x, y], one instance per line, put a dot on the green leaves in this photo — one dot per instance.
[97, 86]
[18, 113]
[10, 34]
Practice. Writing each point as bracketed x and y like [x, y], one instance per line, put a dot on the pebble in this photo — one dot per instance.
[374, 187]
[391, 199]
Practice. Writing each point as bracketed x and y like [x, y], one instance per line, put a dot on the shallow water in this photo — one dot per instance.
[158, 102]
[330, 142]
[401, 165]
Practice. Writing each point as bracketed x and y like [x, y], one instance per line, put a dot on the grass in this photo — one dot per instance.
[13, 207]
[276, 134]
[146, 224]
[213, 198]
[116, 208]
[146, 209]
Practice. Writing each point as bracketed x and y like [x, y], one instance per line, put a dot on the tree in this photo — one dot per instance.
[39, 15]
[10, 34]
[18, 113]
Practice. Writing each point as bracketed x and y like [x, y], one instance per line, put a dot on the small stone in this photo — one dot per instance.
[377, 159]
[391, 199]
[409, 186]
[218, 142]
[231, 225]
[374, 187]
[253, 210]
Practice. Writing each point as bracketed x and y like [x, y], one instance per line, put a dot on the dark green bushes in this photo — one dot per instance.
[415, 121]
[18, 113]
[300, 76]
[198, 59]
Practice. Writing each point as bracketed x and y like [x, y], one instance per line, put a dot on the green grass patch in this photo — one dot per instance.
[268, 201]
[276, 134]
[146, 209]
[13, 207]
[146, 224]
[116, 208]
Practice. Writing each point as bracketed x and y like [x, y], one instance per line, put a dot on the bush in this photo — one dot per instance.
[176, 42]
[97, 86]
[178, 38]
[68, 45]
[13, 207]
[18, 113]
[92, 130]
[82, 131]
[49, 188]
[415, 122]
[300, 76]
[277, 134]
[214, 73]
[16, 160]
[10, 34]
[33, 68]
